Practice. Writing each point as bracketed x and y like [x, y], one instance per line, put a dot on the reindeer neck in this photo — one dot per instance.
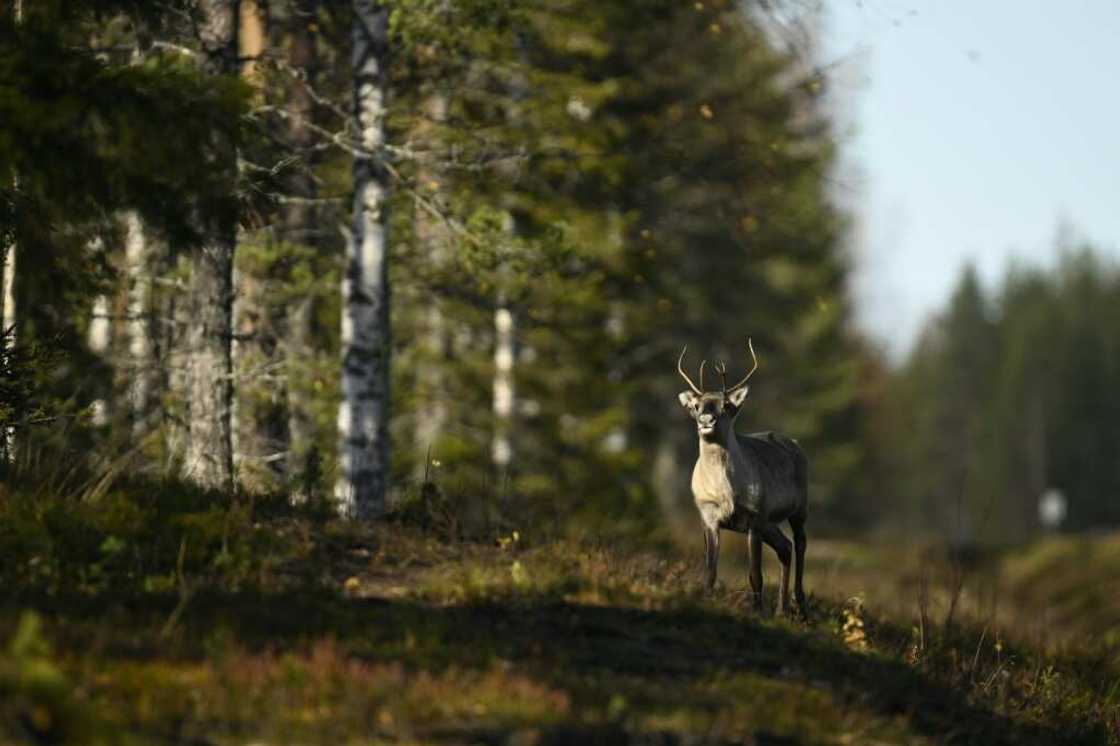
[721, 450]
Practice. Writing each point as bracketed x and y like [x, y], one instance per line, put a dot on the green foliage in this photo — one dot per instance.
[85, 136]
[24, 371]
[276, 276]
[1005, 396]
[37, 702]
[141, 537]
[625, 179]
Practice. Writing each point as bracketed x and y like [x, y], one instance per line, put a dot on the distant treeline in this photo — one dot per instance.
[1007, 394]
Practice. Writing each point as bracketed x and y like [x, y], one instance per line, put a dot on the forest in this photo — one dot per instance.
[339, 396]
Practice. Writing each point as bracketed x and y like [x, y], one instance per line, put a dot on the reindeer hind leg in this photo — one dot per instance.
[777, 541]
[754, 542]
[797, 524]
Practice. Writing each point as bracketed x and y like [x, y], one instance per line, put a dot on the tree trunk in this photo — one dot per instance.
[8, 290]
[251, 38]
[1037, 476]
[209, 458]
[260, 441]
[431, 395]
[8, 333]
[98, 339]
[364, 411]
[143, 363]
[299, 226]
[504, 399]
[174, 310]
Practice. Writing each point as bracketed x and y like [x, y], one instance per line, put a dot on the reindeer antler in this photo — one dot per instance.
[680, 369]
[743, 382]
[721, 368]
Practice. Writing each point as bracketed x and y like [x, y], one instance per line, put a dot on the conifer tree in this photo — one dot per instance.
[209, 457]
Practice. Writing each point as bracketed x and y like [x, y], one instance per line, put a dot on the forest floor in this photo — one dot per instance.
[134, 618]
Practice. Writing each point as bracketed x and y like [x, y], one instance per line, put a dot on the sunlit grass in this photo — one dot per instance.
[282, 626]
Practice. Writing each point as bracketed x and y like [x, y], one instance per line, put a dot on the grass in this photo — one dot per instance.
[163, 616]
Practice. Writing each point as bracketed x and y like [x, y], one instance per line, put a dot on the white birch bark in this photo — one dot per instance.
[504, 400]
[364, 410]
[175, 308]
[142, 363]
[504, 397]
[97, 339]
[8, 291]
[8, 339]
[209, 457]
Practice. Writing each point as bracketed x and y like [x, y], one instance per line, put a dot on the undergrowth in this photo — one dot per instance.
[160, 614]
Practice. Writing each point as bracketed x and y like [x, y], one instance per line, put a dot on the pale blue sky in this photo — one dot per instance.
[974, 128]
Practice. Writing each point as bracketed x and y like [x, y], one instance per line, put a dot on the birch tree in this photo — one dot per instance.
[504, 399]
[98, 339]
[431, 236]
[364, 410]
[8, 287]
[8, 332]
[175, 307]
[209, 458]
[143, 364]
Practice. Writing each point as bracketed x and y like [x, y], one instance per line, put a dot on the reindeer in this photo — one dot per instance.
[746, 483]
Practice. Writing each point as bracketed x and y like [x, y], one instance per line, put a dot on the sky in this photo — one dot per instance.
[971, 130]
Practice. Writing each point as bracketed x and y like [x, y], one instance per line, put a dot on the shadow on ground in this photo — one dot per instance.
[624, 670]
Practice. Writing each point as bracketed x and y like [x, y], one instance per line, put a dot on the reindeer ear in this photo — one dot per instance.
[738, 396]
[687, 399]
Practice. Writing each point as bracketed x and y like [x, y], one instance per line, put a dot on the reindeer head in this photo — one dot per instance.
[714, 411]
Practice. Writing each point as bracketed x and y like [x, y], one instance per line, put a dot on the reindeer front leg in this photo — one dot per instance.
[711, 556]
